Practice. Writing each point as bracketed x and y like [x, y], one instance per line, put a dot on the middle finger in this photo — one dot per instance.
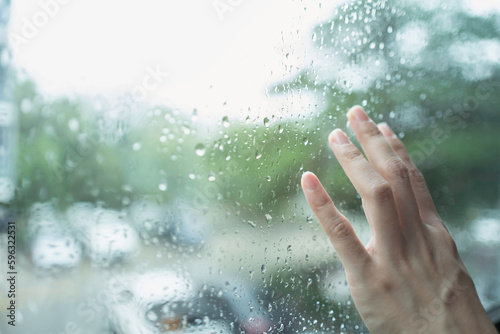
[388, 164]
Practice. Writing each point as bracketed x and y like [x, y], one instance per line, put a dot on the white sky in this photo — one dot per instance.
[104, 47]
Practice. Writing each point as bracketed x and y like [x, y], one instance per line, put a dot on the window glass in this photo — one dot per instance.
[151, 153]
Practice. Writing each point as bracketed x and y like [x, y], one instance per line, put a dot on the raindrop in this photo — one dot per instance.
[225, 121]
[268, 178]
[305, 141]
[163, 185]
[200, 150]
[136, 146]
[263, 269]
[211, 177]
[268, 218]
[151, 315]
[266, 122]
[309, 219]
[258, 155]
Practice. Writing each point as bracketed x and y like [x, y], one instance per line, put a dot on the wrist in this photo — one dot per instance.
[471, 318]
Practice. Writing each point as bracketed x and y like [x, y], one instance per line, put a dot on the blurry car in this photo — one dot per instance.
[106, 234]
[176, 223]
[52, 243]
[154, 302]
[149, 217]
[164, 301]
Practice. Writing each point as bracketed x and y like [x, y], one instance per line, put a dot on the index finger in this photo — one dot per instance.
[351, 251]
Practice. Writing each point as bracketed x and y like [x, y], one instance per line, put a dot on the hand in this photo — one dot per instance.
[409, 278]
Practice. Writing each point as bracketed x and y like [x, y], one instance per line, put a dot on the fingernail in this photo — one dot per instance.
[386, 131]
[309, 181]
[358, 113]
[339, 137]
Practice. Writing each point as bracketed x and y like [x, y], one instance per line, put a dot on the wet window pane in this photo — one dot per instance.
[151, 154]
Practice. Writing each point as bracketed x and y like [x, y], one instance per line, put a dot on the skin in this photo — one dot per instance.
[409, 278]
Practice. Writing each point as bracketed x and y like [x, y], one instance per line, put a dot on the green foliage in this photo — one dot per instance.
[258, 164]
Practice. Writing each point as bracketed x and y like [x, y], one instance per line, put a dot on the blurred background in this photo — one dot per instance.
[151, 153]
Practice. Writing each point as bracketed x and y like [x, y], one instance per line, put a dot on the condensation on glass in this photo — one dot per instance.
[137, 216]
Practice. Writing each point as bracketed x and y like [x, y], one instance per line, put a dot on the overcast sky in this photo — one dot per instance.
[213, 56]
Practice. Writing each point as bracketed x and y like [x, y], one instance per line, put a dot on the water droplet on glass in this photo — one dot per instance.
[152, 316]
[225, 121]
[309, 219]
[266, 122]
[200, 150]
[263, 269]
[211, 177]
[305, 141]
[258, 155]
[163, 185]
[268, 218]
[136, 146]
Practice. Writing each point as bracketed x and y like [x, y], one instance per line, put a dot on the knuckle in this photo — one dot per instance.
[416, 176]
[351, 153]
[399, 147]
[338, 228]
[384, 285]
[371, 130]
[397, 170]
[381, 192]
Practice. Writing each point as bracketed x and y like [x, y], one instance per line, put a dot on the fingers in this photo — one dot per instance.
[390, 166]
[351, 251]
[376, 193]
[423, 197]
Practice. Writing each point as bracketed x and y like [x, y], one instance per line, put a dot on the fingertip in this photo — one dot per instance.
[357, 113]
[386, 130]
[338, 137]
[357, 106]
[331, 137]
[309, 181]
